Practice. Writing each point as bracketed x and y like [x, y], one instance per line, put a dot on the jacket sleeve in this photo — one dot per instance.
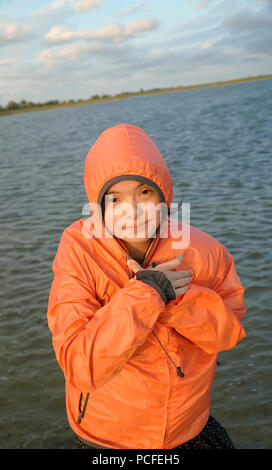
[210, 317]
[92, 342]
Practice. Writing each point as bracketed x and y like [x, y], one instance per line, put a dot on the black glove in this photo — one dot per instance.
[158, 281]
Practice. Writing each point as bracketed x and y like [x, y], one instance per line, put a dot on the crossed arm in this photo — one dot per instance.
[210, 317]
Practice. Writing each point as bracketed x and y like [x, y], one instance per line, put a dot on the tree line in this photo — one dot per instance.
[23, 104]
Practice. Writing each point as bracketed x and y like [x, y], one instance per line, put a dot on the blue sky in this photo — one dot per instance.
[71, 49]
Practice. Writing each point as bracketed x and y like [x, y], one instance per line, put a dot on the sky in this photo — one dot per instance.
[74, 49]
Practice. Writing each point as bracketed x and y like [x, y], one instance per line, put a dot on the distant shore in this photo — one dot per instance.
[98, 99]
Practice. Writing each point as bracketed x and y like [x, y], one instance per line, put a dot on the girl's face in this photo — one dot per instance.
[132, 212]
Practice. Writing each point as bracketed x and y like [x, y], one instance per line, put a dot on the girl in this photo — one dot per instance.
[136, 321]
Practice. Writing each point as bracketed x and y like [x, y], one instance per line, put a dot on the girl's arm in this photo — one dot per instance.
[93, 342]
[211, 317]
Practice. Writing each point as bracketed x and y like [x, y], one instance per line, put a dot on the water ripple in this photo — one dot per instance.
[217, 143]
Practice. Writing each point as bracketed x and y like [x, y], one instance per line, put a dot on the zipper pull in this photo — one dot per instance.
[179, 372]
[81, 412]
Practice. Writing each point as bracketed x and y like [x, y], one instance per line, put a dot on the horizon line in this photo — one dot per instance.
[29, 106]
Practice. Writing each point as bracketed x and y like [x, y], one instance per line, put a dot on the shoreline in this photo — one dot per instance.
[134, 94]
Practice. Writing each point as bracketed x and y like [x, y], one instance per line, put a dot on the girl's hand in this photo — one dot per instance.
[179, 279]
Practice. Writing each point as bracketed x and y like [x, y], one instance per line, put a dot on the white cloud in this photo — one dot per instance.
[220, 40]
[80, 6]
[52, 57]
[114, 31]
[117, 33]
[201, 4]
[9, 61]
[52, 7]
[13, 32]
[140, 25]
[206, 45]
[76, 53]
[61, 34]
[53, 13]
[132, 9]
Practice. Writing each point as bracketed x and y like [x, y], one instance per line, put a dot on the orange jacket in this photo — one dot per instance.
[111, 335]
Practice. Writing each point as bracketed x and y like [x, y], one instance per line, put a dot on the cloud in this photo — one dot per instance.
[201, 4]
[13, 32]
[140, 25]
[61, 34]
[9, 61]
[245, 20]
[105, 53]
[120, 59]
[80, 6]
[56, 12]
[132, 9]
[242, 32]
[206, 45]
[52, 7]
[220, 40]
[96, 55]
[251, 32]
[114, 31]
[53, 57]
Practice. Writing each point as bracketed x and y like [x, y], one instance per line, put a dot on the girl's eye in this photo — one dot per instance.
[111, 199]
[144, 192]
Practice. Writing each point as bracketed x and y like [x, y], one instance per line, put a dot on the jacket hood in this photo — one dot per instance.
[125, 152]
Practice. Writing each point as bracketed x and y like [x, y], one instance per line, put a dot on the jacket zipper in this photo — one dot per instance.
[178, 368]
[81, 412]
[168, 398]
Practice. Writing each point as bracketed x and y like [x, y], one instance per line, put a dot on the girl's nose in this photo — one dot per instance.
[134, 208]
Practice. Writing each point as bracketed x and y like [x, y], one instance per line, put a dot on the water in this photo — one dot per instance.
[217, 143]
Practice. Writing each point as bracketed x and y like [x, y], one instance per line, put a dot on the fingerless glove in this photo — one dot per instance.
[158, 281]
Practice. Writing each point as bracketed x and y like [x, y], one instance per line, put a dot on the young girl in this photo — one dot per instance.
[136, 321]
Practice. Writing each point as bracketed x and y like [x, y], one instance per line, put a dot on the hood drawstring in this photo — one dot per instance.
[178, 368]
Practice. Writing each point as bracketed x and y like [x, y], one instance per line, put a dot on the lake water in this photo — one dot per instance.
[217, 144]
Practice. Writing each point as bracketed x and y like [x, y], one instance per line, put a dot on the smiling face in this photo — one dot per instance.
[132, 212]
